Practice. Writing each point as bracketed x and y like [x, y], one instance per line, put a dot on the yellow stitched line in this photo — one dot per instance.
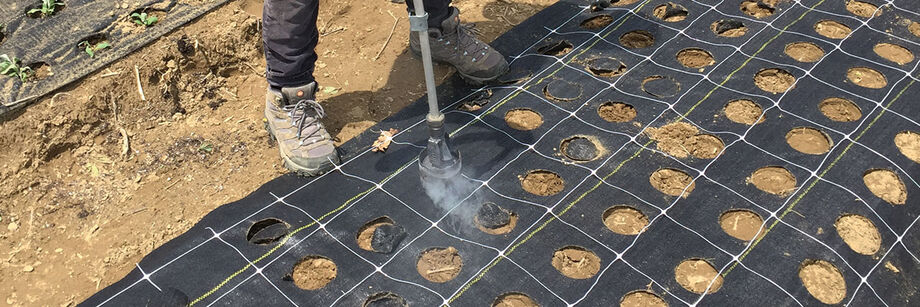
[815, 181]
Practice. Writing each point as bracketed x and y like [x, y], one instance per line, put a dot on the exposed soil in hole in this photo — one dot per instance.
[859, 233]
[562, 90]
[823, 281]
[439, 264]
[672, 182]
[40, 70]
[495, 220]
[840, 109]
[886, 185]
[894, 53]
[809, 140]
[542, 183]
[637, 39]
[597, 22]
[514, 299]
[380, 235]
[729, 28]
[576, 262]
[314, 272]
[805, 52]
[832, 29]
[642, 298]
[774, 80]
[757, 9]
[862, 9]
[867, 77]
[385, 299]
[681, 140]
[559, 48]
[582, 148]
[605, 67]
[661, 86]
[38, 14]
[695, 275]
[267, 231]
[775, 180]
[908, 142]
[616, 112]
[741, 224]
[743, 111]
[625, 220]
[695, 58]
[523, 119]
[914, 28]
[671, 12]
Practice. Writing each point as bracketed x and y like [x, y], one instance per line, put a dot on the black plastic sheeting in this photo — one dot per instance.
[214, 263]
[53, 40]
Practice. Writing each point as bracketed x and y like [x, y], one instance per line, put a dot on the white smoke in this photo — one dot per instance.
[454, 195]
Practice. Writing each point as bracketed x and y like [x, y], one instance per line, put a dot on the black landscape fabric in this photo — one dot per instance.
[50, 44]
[587, 206]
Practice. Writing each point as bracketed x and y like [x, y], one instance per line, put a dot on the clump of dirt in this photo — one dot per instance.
[867, 77]
[859, 233]
[625, 220]
[840, 109]
[637, 39]
[729, 28]
[832, 29]
[805, 52]
[576, 262]
[695, 58]
[894, 53]
[514, 299]
[681, 140]
[313, 272]
[542, 183]
[886, 185]
[741, 224]
[671, 12]
[908, 143]
[523, 119]
[809, 140]
[823, 281]
[774, 80]
[495, 220]
[775, 180]
[582, 148]
[597, 22]
[914, 28]
[863, 9]
[743, 111]
[387, 299]
[642, 298]
[672, 182]
[661, 86]
[616, 112]
[439, 265]
[757, 9]
[695, 275]
[366, 233]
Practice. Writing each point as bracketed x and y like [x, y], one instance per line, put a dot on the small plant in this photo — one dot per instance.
[11, 67]
[91, 49]
[144, 19]
[47, 9]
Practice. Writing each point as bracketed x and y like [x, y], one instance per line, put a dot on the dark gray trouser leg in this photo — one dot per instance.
[289, 35]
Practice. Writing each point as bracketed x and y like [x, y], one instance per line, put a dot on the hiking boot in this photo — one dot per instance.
[456, 44]
[292, 118]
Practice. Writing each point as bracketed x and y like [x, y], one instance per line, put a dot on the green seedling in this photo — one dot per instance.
[12, 67]
[92, 49]
[144, 19]
[47, 9]
[206, 148]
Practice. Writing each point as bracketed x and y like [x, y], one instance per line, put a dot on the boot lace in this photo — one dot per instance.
[468, 41]
[301, 117]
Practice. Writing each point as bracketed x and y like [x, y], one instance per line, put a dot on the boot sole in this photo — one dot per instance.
[472, 80]
[298, 169]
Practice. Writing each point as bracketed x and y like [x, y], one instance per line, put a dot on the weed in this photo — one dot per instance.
[92, 49]
[144, 19]
[12, 67]
[206, 148]
[48, 8]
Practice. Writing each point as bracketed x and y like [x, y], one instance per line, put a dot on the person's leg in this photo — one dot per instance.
[438, 11]
[289, 36]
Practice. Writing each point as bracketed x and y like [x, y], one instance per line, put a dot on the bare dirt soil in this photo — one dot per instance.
[94, 178]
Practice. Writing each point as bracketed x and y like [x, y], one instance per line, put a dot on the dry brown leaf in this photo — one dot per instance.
[384, 140]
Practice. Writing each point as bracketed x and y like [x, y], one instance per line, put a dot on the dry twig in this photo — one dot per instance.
[140, 89]
[389, 37]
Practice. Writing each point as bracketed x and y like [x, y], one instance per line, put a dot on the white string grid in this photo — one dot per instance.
[502, 251]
